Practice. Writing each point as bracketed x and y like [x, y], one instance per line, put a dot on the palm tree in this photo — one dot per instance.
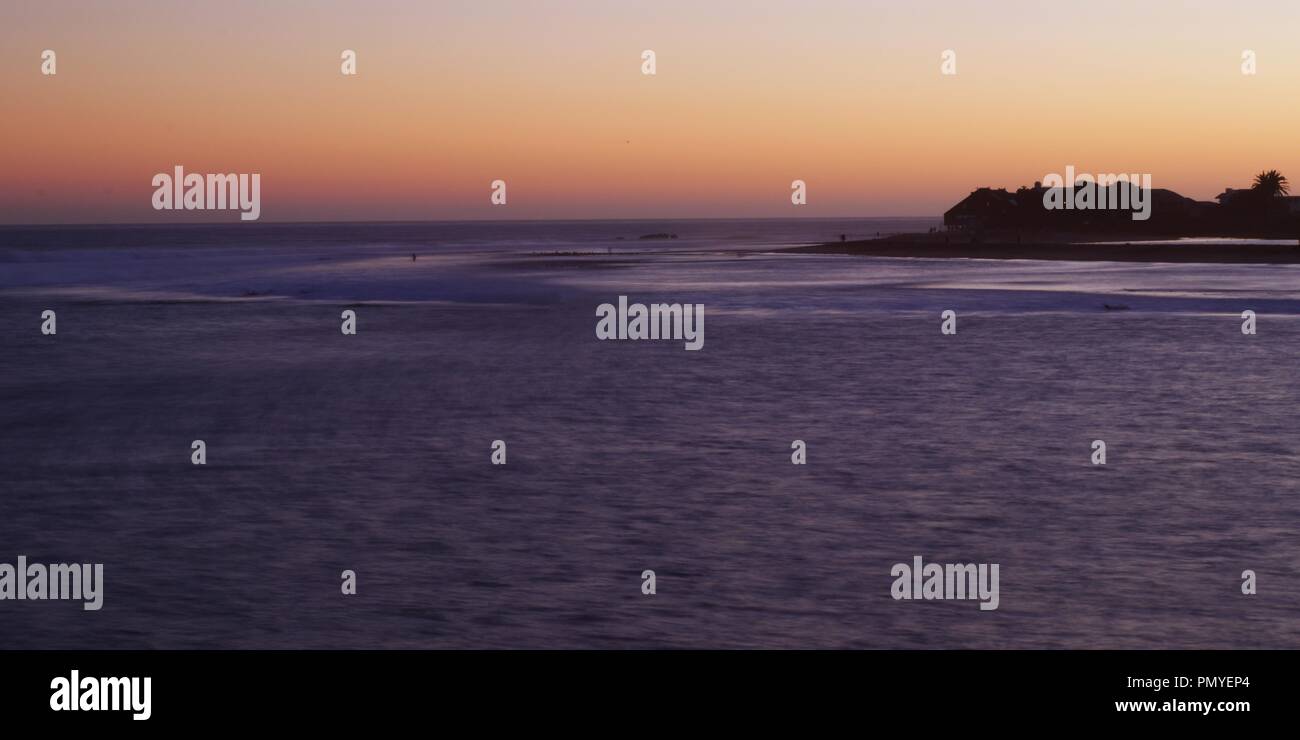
[1271, 184]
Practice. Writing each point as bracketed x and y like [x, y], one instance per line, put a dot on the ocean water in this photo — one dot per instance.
[371, 452]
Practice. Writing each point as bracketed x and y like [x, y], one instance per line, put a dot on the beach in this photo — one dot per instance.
[1067, 247]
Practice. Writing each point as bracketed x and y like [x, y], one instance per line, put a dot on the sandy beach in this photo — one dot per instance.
[1061, 247]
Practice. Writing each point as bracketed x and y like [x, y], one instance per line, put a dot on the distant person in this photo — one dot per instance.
[412, 257]
[843, 237]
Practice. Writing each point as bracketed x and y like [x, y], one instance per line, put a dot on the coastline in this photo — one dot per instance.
[1056, 247]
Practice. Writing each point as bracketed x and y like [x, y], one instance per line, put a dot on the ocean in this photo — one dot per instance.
[371, 452]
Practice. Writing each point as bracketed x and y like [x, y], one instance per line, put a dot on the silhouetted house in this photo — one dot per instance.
[1110, 206]
[984, 208]
[1028, 208]
[1232, 195]
[1245, 209]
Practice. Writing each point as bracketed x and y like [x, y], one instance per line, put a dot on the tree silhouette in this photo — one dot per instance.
[1271, 184]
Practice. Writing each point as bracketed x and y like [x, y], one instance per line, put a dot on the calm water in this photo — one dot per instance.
[371, 452]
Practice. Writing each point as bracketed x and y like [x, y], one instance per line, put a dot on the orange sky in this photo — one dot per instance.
[549, 96]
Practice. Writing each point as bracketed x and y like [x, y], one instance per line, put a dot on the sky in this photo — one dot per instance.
[549, 96]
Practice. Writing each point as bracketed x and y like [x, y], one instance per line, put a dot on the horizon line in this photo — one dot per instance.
[245, 224]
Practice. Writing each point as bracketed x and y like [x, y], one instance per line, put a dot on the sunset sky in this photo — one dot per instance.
[549, 96]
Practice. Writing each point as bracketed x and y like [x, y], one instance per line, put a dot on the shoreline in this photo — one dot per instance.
[1056, 248]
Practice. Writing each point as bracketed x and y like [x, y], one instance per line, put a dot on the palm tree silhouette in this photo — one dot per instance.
[1271, 184]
